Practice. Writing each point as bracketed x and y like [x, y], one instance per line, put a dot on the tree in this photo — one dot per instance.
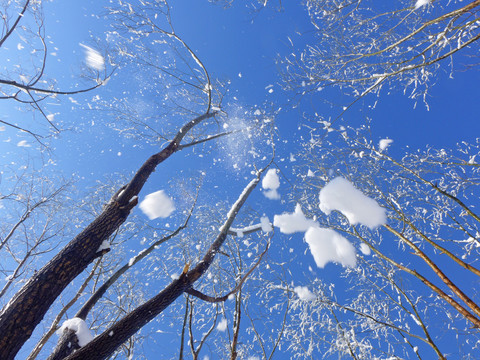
[422, 263]
[361, 47]
[21, 315]
[28, 84]
[215, 278]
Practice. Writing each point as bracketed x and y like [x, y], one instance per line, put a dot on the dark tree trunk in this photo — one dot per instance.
[68, 342]
[27, 308]
[106, 343]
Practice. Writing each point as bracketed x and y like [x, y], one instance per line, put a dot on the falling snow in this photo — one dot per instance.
[270, 184]
[93, 58]
[339, 194]
[157, 205]
[290, 223]
[326, 245]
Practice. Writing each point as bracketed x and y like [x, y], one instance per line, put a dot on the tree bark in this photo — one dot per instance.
[106, 343]
[27, 308]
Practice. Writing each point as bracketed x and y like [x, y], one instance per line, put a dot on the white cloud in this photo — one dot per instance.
[339, 194]
[157, 204]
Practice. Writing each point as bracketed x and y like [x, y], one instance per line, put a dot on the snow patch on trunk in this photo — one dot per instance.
[80, 328]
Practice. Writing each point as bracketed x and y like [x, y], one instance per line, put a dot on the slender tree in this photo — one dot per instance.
[364, 46]
[420, 265]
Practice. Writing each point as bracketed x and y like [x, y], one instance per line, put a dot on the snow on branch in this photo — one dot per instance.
[264, 226]
[80, 328]
[239, 285]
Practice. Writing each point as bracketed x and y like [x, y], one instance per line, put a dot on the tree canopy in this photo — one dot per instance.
[239, 180]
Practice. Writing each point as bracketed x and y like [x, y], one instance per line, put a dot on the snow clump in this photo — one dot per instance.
[291, 223]
[365, 249]
[157, 204]
[271, 183]
[303, 293]
[384, 143]
[339, 194]
[222, 325]
[265, 224]
[421, 3]
[327, 245]
[81, 330]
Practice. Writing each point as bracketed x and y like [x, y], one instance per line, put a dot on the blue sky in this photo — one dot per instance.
[237, 41]
[231, 42]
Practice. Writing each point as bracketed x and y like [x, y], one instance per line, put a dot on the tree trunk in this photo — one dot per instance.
[27, 308]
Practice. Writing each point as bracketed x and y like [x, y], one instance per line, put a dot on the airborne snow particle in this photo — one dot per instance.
[157, 204]
[303, 293]
[23, 143]
[93, 58]
[384, 143]
[339, 194]
[421, 3]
